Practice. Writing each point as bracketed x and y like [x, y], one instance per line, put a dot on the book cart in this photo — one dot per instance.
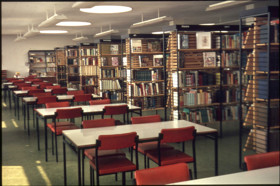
[112, 73]
[203, 73]
[259, 71]
[145, 71]
[88, 57]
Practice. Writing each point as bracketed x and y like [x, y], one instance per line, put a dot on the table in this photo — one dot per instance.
[263, 176]
[80, 139]
[49, 113]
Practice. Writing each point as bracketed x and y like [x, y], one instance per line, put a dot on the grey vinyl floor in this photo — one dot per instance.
[23, 164]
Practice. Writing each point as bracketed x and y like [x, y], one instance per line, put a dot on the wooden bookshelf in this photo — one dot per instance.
[72, 66]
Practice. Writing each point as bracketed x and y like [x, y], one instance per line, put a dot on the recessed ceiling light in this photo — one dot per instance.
[161, 32]
[73, 23]
[106, 9]
[207, 24]
[53, 31]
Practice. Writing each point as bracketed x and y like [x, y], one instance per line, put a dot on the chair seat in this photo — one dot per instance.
[170, 156]
[90, 153]
[61, 123]
[59, 129]
[143, 148]
[113, 164]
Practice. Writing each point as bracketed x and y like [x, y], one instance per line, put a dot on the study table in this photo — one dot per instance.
[262, 176]
[49, 113]
[80, 139]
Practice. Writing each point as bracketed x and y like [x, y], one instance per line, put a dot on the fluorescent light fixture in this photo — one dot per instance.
[105, 33]
[224, 4]
[160, 32]
[73, 23]
[19, 38]
[31, 32]
[53, 31]
[81, 38]
[106, 9]
[207, 24]
[80, 4]
[56, 18]
[151, 21]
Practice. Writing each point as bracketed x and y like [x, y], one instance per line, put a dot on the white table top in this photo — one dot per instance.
[59, 97]
[48, 112]
[87, 137]
[259, 176]
[68, 89]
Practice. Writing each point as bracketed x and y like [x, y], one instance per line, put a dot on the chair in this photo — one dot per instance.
[116, 110]
[78, 98]
[262, 160]
[39, 94]
[42, 100]
[62, 90]
[57, 128]
[29, 88]
[34, 81]
[31, 92]
[75, 92]
[113, 164]
[43, 85]
[20, 85]
[100, 102]
[163, 175]
[173, 156]
[144, 147]
[52, 87]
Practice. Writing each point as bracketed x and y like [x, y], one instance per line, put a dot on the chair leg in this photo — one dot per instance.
[123, 178]
[191, 177]
[195, 171]
[56, 148]
[97, 177]
[90, 176]
[145, 161]
[52, 145]
[116, 176]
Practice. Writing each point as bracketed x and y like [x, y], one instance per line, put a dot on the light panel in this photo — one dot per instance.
[73, 23]
[111, 9]
[151, 21]
[53, 31]
[56, 18]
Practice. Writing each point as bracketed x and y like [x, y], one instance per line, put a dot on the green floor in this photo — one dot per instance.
[23, 164]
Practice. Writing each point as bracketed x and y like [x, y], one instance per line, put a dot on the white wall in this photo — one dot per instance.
[14, 55]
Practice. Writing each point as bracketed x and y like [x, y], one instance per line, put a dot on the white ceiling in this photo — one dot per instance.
[16, 16]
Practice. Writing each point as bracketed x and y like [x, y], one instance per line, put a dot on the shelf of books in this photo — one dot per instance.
[145, 71]
[42, 63]
[88, 56]
[203, 73]
[260, 80]
[72, 66]
[60, 67]
[112, 71]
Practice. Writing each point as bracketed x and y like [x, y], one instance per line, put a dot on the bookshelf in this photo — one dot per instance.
[112, 71]
[88, 56]
[202, 73]
[60, 66]
[72, 66]
[42, 63]
[145, 71]
[259, 71]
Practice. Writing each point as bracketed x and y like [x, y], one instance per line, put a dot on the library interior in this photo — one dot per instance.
[140, 92]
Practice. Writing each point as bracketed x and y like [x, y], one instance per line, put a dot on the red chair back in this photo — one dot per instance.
[262, 160]
[82, 97]
[11, 79]
[29, 88]
[35, 80]
[42, 93]
[16, 81]
[145, 119]
[20, 85]
[116, 141]
[57, 104]
[100, 102]
[62, 90]
[115, 110]
[69, 113]
[52, 87]
[175, 135]
[45, 99]
[98, 123]
[34, 91]
[163, 175]
[75, 92]
[43, 85]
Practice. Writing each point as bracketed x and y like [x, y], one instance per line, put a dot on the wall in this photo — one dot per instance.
[14, 55]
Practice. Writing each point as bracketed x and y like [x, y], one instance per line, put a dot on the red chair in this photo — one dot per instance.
[108, 122]
[100, 102]
[57, 91]
[41, 93]
[143, 148]
[29, 88]
[262, 160]
[78, 98]
[116, 110]
[34, 81]
[52, 87]
[173, 156]
[15, 81]
[34, 91]
[75, 92]
[11, 79]
[43, 85]
[113, 164]
[42, 100]
[163, 175]
[20, 85]
[57, 129]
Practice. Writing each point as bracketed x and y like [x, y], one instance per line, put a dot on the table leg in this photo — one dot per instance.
[64, 162]
[216, 154]
[46, 139]
[15, 106]
[79, 166]
[28, 129]
[10, 102]
[37, 130]
[24, 115]
[5, 94]
[18, 106]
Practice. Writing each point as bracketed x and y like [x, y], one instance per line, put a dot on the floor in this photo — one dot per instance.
[23, 164]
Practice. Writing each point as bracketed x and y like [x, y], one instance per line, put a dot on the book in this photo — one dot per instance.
[154, 46]
[114, 49]
[143, 61]
[136, 45]
[183, 41]
[104, 61]
[115, 61]
[203, 40]
[209, 59]
[158, 60]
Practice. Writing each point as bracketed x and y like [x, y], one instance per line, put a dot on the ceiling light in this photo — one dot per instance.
[73, 23]
[31, 32]
[106, 9]
[224, 4]
[207, 24]
[108, 32]
[19, 38]
[81, 38]
[82, 4]
[161, 32]
[151, 21]
[56, 18]
[53, 31]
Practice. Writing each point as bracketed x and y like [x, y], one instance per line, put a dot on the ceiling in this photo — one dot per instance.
[16, 16]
